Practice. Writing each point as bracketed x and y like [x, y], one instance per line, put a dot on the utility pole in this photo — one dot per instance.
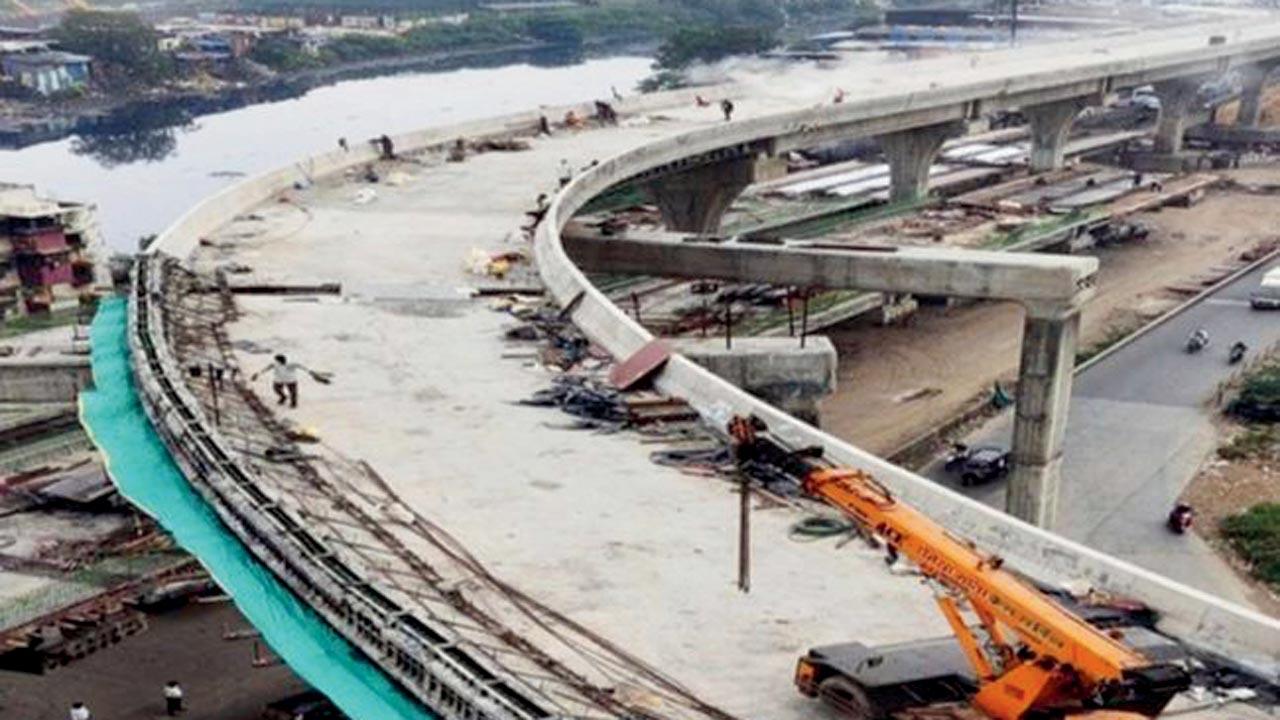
[728, 324]
[744, 533]
[804, 319]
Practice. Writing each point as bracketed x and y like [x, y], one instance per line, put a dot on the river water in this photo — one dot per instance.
[145, 179]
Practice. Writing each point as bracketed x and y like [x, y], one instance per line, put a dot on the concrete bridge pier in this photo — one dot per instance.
[910, 153]
[1040, 418]
[1176, 97]
[1255, 83]
[1050, 125]
[695, 200]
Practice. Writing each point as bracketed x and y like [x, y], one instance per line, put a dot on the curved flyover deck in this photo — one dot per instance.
[639, 554]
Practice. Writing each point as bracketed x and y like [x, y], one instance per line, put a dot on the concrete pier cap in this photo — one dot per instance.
[1050, 126]
[780, 371]
[695, 200]
[910, 153]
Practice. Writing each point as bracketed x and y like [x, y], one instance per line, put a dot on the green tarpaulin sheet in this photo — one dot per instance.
[141, 467]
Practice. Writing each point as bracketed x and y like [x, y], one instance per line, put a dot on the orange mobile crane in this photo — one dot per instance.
[1022, 655]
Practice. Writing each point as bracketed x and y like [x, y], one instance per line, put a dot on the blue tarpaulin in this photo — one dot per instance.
[144, 472]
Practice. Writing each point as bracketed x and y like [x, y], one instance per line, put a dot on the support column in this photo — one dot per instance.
[695, 200]
[1255, 82]
[1176, 97]
[1050, 126]
[909, 154]
[1040, 419]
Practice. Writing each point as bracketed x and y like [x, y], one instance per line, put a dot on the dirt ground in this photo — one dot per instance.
[124, 682]
[896, 383]
[1270, 107]
[1224, 488]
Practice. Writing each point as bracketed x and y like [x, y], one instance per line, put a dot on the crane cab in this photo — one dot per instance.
[878, 682]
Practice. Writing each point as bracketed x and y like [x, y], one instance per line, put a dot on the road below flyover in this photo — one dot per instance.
[1141, 424]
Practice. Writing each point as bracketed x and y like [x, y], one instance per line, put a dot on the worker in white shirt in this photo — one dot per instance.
[80, 712]
[284, 379]
[172, 698]
[566, 172]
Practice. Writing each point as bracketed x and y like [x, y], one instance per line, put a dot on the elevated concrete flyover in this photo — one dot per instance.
[915, 114]
[1006, 79]
[433, 385]
[697, 180]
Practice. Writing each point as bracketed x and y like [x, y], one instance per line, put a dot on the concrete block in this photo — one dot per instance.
[776, 370]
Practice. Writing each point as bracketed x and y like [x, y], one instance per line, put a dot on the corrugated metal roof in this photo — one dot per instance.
[49, 57]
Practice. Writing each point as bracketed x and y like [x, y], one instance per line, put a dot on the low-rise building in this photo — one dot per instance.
[169, 42]
[46, 251]
[368, 22]
[46, 71]
[282, 22]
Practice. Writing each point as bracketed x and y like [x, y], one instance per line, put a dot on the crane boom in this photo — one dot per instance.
[1028, 652]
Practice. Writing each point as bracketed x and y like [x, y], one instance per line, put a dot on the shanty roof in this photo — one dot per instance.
[21, 201]
[49, 57]
[81, 485]
[22, 46]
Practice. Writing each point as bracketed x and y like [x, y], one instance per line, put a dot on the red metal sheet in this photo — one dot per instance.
[644, 362]
[44, 242]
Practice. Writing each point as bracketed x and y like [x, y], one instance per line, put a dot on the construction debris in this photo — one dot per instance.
[493, 264]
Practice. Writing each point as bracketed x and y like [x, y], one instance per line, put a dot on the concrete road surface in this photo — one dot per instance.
[1139, 427]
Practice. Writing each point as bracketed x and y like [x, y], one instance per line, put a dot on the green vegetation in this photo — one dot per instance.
[1262, 385]
[29, 323]
[125, 51]
[706, 44]
[122, 45]
[479, 32]
[1254, 441]
[1255, 535]
[1031, 230]
[694, 30]
[283, 56]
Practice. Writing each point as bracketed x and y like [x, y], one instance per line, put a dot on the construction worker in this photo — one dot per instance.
[173, 698]
[79, 711]
[284, 379]
[535, 215]
[387, 147]
[566, 172]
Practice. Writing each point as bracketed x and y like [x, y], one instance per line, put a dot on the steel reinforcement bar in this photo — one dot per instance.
[424, 660]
